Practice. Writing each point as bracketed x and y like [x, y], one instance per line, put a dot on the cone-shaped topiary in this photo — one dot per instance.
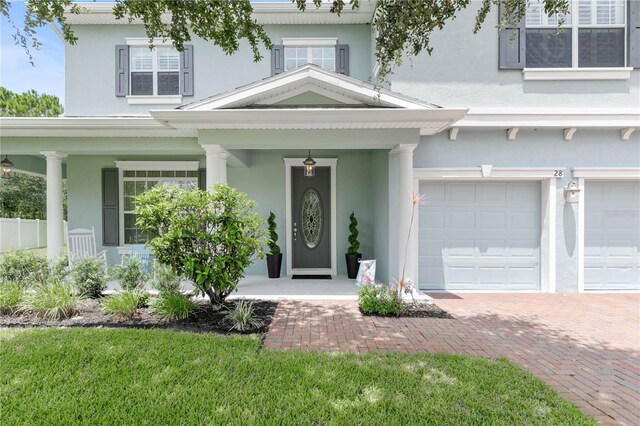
[273, 236]
[354, 244]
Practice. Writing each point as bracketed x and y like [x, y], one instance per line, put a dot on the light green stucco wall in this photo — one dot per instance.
[380, 197]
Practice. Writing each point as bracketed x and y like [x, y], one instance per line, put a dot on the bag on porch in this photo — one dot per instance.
[366, 273]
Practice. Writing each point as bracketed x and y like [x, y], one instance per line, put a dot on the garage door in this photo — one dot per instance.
[480, 236]
[612, 235]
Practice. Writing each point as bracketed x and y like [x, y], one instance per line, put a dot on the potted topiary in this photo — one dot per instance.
[274, 257]
[353, 256]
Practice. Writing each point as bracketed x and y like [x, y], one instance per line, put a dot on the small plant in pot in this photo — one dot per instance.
[274, 257]
[353, 255]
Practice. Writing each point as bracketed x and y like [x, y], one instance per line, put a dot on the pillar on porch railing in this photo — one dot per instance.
[223, 166]
[55, 216]
[404, 157]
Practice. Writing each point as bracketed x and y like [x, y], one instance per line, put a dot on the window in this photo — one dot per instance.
[591, 35]
[134, 183]
[323, 56]
[154, 72]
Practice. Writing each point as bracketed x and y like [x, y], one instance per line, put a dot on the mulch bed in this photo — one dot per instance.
[418, 310]
[206, 320]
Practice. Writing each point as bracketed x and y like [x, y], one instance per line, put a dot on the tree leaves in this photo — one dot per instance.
[28, 104]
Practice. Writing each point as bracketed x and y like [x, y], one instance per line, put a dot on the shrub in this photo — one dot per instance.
[242, 317]
[173, 306]
[274, 248]
[125, 303]
[52, 300]
[89, 277]
[208, 238]
[165, 279]
[11, 294]
[354, 244]
[23, 267]
[59, 268]
[130, 274]
[379, 300]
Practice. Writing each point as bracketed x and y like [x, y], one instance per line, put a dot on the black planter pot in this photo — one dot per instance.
[352, 264]
[274, 264]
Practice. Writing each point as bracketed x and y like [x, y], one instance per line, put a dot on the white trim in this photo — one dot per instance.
[605, 173]
[154, 99]
[548, 192]
[512, 133]
[580, 237]
[158, 165]
[568, 133]
[145, 41]
[322, 162]
[309, 41]
[625, 134]
[546, 74]
[453, 133]
[497, 173]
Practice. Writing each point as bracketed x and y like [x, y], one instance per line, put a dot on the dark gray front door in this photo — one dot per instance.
[311, 213]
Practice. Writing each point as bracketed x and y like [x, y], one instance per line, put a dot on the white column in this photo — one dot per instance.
[223, 166]
[404, 157]
[213, 164]
[55, 217]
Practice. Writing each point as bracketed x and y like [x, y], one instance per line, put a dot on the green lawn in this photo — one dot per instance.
[121, 377]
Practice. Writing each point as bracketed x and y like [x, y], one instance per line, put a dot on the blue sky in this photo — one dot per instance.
[17, 74]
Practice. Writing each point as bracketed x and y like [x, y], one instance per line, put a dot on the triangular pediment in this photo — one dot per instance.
[308, 87]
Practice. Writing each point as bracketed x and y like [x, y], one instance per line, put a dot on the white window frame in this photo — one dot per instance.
[576, 72]
[146, 166]
[309, 43]
[153, 98]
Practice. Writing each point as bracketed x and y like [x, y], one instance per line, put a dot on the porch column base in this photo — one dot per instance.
[55, 213]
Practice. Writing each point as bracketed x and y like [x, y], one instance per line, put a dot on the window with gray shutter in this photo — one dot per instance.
[122, 70]
[342, 59]
[633, 28]
[277, 59]
[548, 48]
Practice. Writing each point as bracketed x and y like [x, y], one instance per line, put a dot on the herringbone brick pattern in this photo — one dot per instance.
[586, 346]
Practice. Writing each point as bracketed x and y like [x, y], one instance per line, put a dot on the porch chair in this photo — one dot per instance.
[81, 242]
[143, 253]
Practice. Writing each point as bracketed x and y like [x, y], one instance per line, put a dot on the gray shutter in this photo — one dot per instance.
[277, 59]
[633, 29]
[110, 213]
[342, 59]
[122, 70]
[202, 179]
[186, 70]
[512, 43]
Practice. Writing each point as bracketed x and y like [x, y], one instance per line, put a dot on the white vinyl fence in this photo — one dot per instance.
[20, 234]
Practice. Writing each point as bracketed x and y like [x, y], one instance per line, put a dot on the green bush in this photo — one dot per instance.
[89, 277]
[59, 268]
[274, 248]
[130, 274]
[11, 294]
[242, 317]
[354, 244]
[52, 300]
[126, 303]
[379, 300]
[173, 306]
[23, 267]
[165, 280]
[206, 237]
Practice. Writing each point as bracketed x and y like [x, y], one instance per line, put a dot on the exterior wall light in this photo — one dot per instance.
[7, 168]
[309, 166]
[571, 192]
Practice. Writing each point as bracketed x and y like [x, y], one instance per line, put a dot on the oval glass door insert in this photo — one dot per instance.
[311, 216]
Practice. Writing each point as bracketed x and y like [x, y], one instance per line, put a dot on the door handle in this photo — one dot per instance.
[295, 231]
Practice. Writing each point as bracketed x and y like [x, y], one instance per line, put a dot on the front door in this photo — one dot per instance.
[311, 219]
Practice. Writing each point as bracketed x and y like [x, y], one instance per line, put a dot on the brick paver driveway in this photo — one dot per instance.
[586, 346]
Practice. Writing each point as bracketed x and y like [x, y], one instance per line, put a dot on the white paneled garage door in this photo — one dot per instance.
[480, 236]
[612, 235]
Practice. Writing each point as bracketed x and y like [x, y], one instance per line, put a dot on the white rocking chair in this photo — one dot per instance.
[81, 243]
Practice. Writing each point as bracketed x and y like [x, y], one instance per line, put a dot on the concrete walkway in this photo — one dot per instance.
[586, 346]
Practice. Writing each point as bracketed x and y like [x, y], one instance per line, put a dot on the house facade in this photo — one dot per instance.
[525, 143]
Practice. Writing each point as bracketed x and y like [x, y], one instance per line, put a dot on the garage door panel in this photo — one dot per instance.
[490, 239]
[612, 235]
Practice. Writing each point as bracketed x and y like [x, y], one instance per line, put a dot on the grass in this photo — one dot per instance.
[151, 377]
[53, 300]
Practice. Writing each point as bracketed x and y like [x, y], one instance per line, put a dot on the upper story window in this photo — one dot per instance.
[323, 56]
[593, 34]
[324, 52]
[154, 72]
